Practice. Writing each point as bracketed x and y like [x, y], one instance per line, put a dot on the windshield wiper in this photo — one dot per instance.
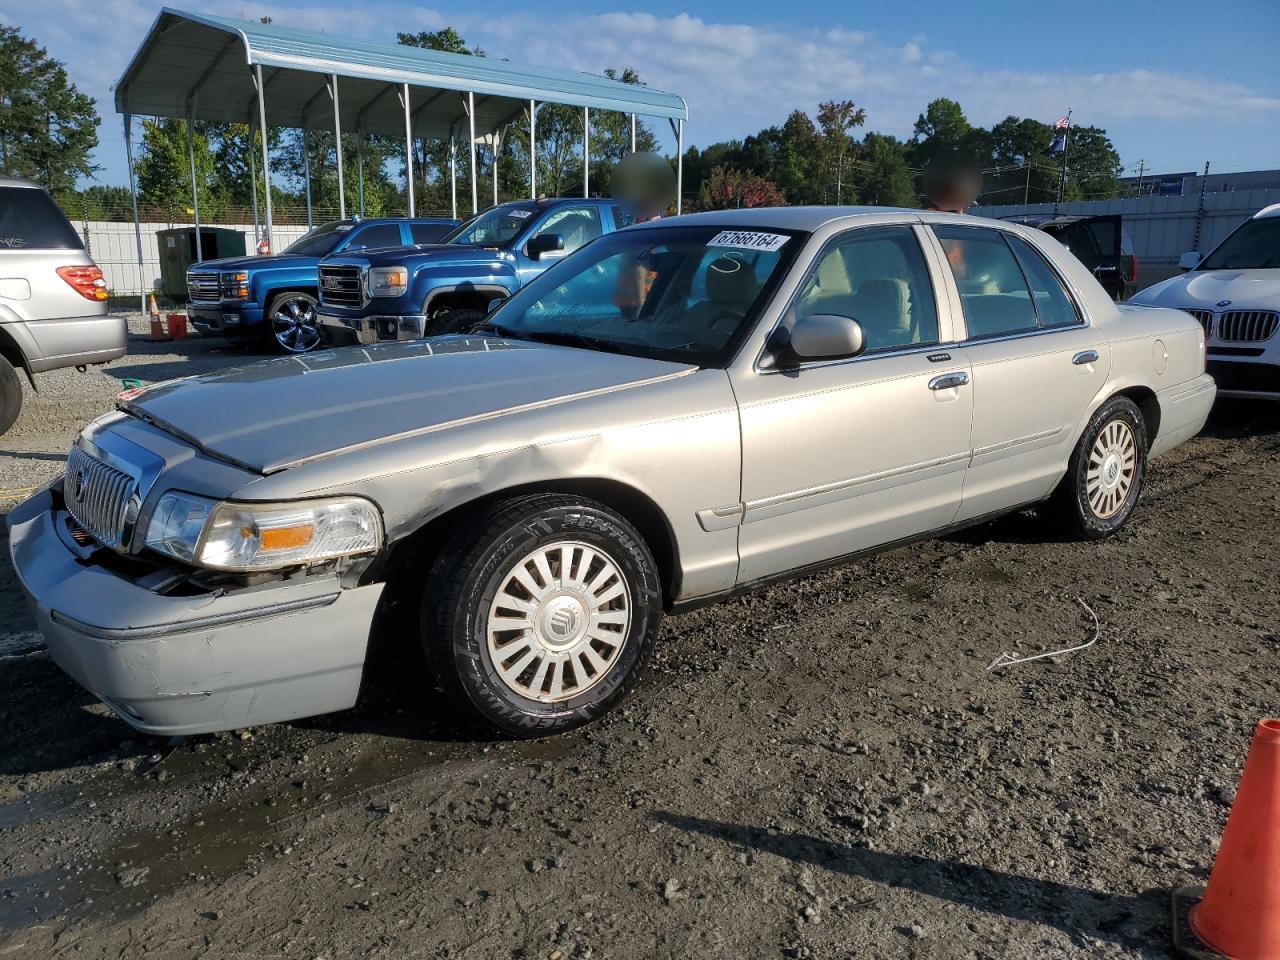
[569, 339]
[497, 329]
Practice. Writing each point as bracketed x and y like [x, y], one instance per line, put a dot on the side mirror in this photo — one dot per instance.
[544, 243]
[495, 303]
[1189, 261]
[822, 336]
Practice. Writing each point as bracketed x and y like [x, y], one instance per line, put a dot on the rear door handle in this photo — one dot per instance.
[1085, 356]
[948, 380]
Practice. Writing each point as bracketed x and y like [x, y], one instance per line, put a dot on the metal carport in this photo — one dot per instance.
[214, 68]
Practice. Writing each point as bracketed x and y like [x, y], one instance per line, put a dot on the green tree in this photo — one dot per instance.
[164, 169]
[944, 131]
[885, 180]
[447, 40]
[836, 120]
[1022, 169]
[729, 189]
[48, 128]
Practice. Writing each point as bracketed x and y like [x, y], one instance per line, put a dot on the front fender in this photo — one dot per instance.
[496, 279]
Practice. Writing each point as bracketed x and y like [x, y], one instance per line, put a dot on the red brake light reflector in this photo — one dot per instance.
[86, 281]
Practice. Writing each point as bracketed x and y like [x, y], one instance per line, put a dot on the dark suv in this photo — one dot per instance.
[1101, 243]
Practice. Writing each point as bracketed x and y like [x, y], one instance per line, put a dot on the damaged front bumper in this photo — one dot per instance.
[174, 664]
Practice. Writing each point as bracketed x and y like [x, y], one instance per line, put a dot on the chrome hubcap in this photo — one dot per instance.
[294, 326]
[1112, 468]
[558, 621]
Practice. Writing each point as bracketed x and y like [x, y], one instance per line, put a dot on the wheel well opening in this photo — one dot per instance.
[10, 351]
[274, 295]
[418, 551]
[469, 299]
[1146, 400]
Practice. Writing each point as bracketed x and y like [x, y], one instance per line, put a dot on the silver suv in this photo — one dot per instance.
[53, 298]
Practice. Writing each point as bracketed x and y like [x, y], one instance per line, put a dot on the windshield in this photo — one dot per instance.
[1254, 246]
[321, 240]
[686, 294]
[494, 228]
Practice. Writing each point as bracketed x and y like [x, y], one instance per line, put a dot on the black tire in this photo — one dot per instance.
[303, 337]
[453, 321]
[1074, 504]
[10, 395]
[481, 560]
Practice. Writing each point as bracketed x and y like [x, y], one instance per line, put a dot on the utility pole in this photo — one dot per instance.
[1142, 169]
[1026, 190]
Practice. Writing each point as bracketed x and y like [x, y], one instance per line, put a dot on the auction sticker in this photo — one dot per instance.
[748, 240]
[520, 214]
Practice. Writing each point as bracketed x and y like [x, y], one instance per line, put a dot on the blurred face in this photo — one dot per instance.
[956, 191]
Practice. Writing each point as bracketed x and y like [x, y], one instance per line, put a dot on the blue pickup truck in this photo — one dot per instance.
[406, 294]
[274, 298]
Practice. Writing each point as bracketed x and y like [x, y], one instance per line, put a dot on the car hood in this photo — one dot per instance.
[1205, 289]
[278, 413]
[426, 253]
[277, 262]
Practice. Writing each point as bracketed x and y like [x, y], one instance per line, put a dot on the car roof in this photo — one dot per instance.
[785, 218]
[6, 181]
[1271, 211]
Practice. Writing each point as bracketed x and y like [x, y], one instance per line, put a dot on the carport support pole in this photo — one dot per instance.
[137, 224]
[497, 149]
[253, 186]
[408, 147]
[586, 151]
[533, 150]
[266, 160]
[337, 146]
[471, 118]
[633, 133]
[453, 177]
[306, 170]
[679, 166]
[195, 189]
[360, 170]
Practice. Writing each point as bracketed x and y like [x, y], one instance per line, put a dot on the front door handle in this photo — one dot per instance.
[1085, 356]
[948, 380]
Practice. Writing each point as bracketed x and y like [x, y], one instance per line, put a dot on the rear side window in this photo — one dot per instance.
[378, 235]
[1053, 306]
[29, 219]
[429, 232]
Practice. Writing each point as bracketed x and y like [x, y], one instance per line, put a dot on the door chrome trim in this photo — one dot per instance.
[1006, 445]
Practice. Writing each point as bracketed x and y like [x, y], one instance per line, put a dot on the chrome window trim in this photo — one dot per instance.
[831, 241]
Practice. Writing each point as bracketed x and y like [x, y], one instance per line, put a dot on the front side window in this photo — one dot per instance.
[687, 294]
[878, 277]
[1255, 245]
[321, 241]
[377, 235]
[497, 227]
[578, 225]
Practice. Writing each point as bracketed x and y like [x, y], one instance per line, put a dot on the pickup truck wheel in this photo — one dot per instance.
[10, 395]
[541, 614]
[1105, 474]
[453, 321]
[291, 323]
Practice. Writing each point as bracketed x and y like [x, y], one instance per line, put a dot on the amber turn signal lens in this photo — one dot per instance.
[287, 538]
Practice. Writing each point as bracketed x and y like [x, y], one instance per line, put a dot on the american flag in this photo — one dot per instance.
[1063, 123]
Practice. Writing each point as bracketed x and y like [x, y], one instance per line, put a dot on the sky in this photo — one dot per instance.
[1174, 83]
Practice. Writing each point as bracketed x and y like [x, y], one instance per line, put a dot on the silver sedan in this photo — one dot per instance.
[676, 413]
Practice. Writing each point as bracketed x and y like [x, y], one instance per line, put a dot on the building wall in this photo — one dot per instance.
[1162, 228]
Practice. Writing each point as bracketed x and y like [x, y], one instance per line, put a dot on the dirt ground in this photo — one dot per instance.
[824, 769]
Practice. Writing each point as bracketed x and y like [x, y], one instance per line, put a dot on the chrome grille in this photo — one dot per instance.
[1205, 317]
[204, 286]
[98, 497]
[1248, 326]
[342, 286]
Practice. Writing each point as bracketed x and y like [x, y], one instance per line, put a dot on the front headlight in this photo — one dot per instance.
[262, 536]
[235, 286]
[388, 281]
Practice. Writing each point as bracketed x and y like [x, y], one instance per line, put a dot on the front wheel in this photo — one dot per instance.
[1105, 474]
[291, 323]
[540, 615]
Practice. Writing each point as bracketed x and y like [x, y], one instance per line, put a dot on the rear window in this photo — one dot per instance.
[29, 219]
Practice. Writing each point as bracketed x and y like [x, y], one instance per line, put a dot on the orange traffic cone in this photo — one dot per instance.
[1239, 914]
[157, 324]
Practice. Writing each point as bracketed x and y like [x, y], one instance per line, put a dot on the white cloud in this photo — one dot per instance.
[736, 77]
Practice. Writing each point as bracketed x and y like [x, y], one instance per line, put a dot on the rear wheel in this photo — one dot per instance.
[1106, 471]
[291, 323]
[10, 395]
[541, 615]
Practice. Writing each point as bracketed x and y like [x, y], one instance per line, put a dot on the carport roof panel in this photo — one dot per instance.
[185, 51]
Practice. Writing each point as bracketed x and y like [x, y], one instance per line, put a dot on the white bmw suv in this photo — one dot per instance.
[1235, 294]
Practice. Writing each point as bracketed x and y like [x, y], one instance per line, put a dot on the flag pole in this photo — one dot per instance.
[1066, 149]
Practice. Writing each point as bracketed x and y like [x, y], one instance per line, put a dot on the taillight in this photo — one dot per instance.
[86, 281]
[1133, 268]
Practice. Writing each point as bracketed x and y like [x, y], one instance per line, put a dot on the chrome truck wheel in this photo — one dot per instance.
[1104, 476]
[541, 612]
[292, 323]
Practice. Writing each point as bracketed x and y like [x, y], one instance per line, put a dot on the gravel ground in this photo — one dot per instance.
[823, 769]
